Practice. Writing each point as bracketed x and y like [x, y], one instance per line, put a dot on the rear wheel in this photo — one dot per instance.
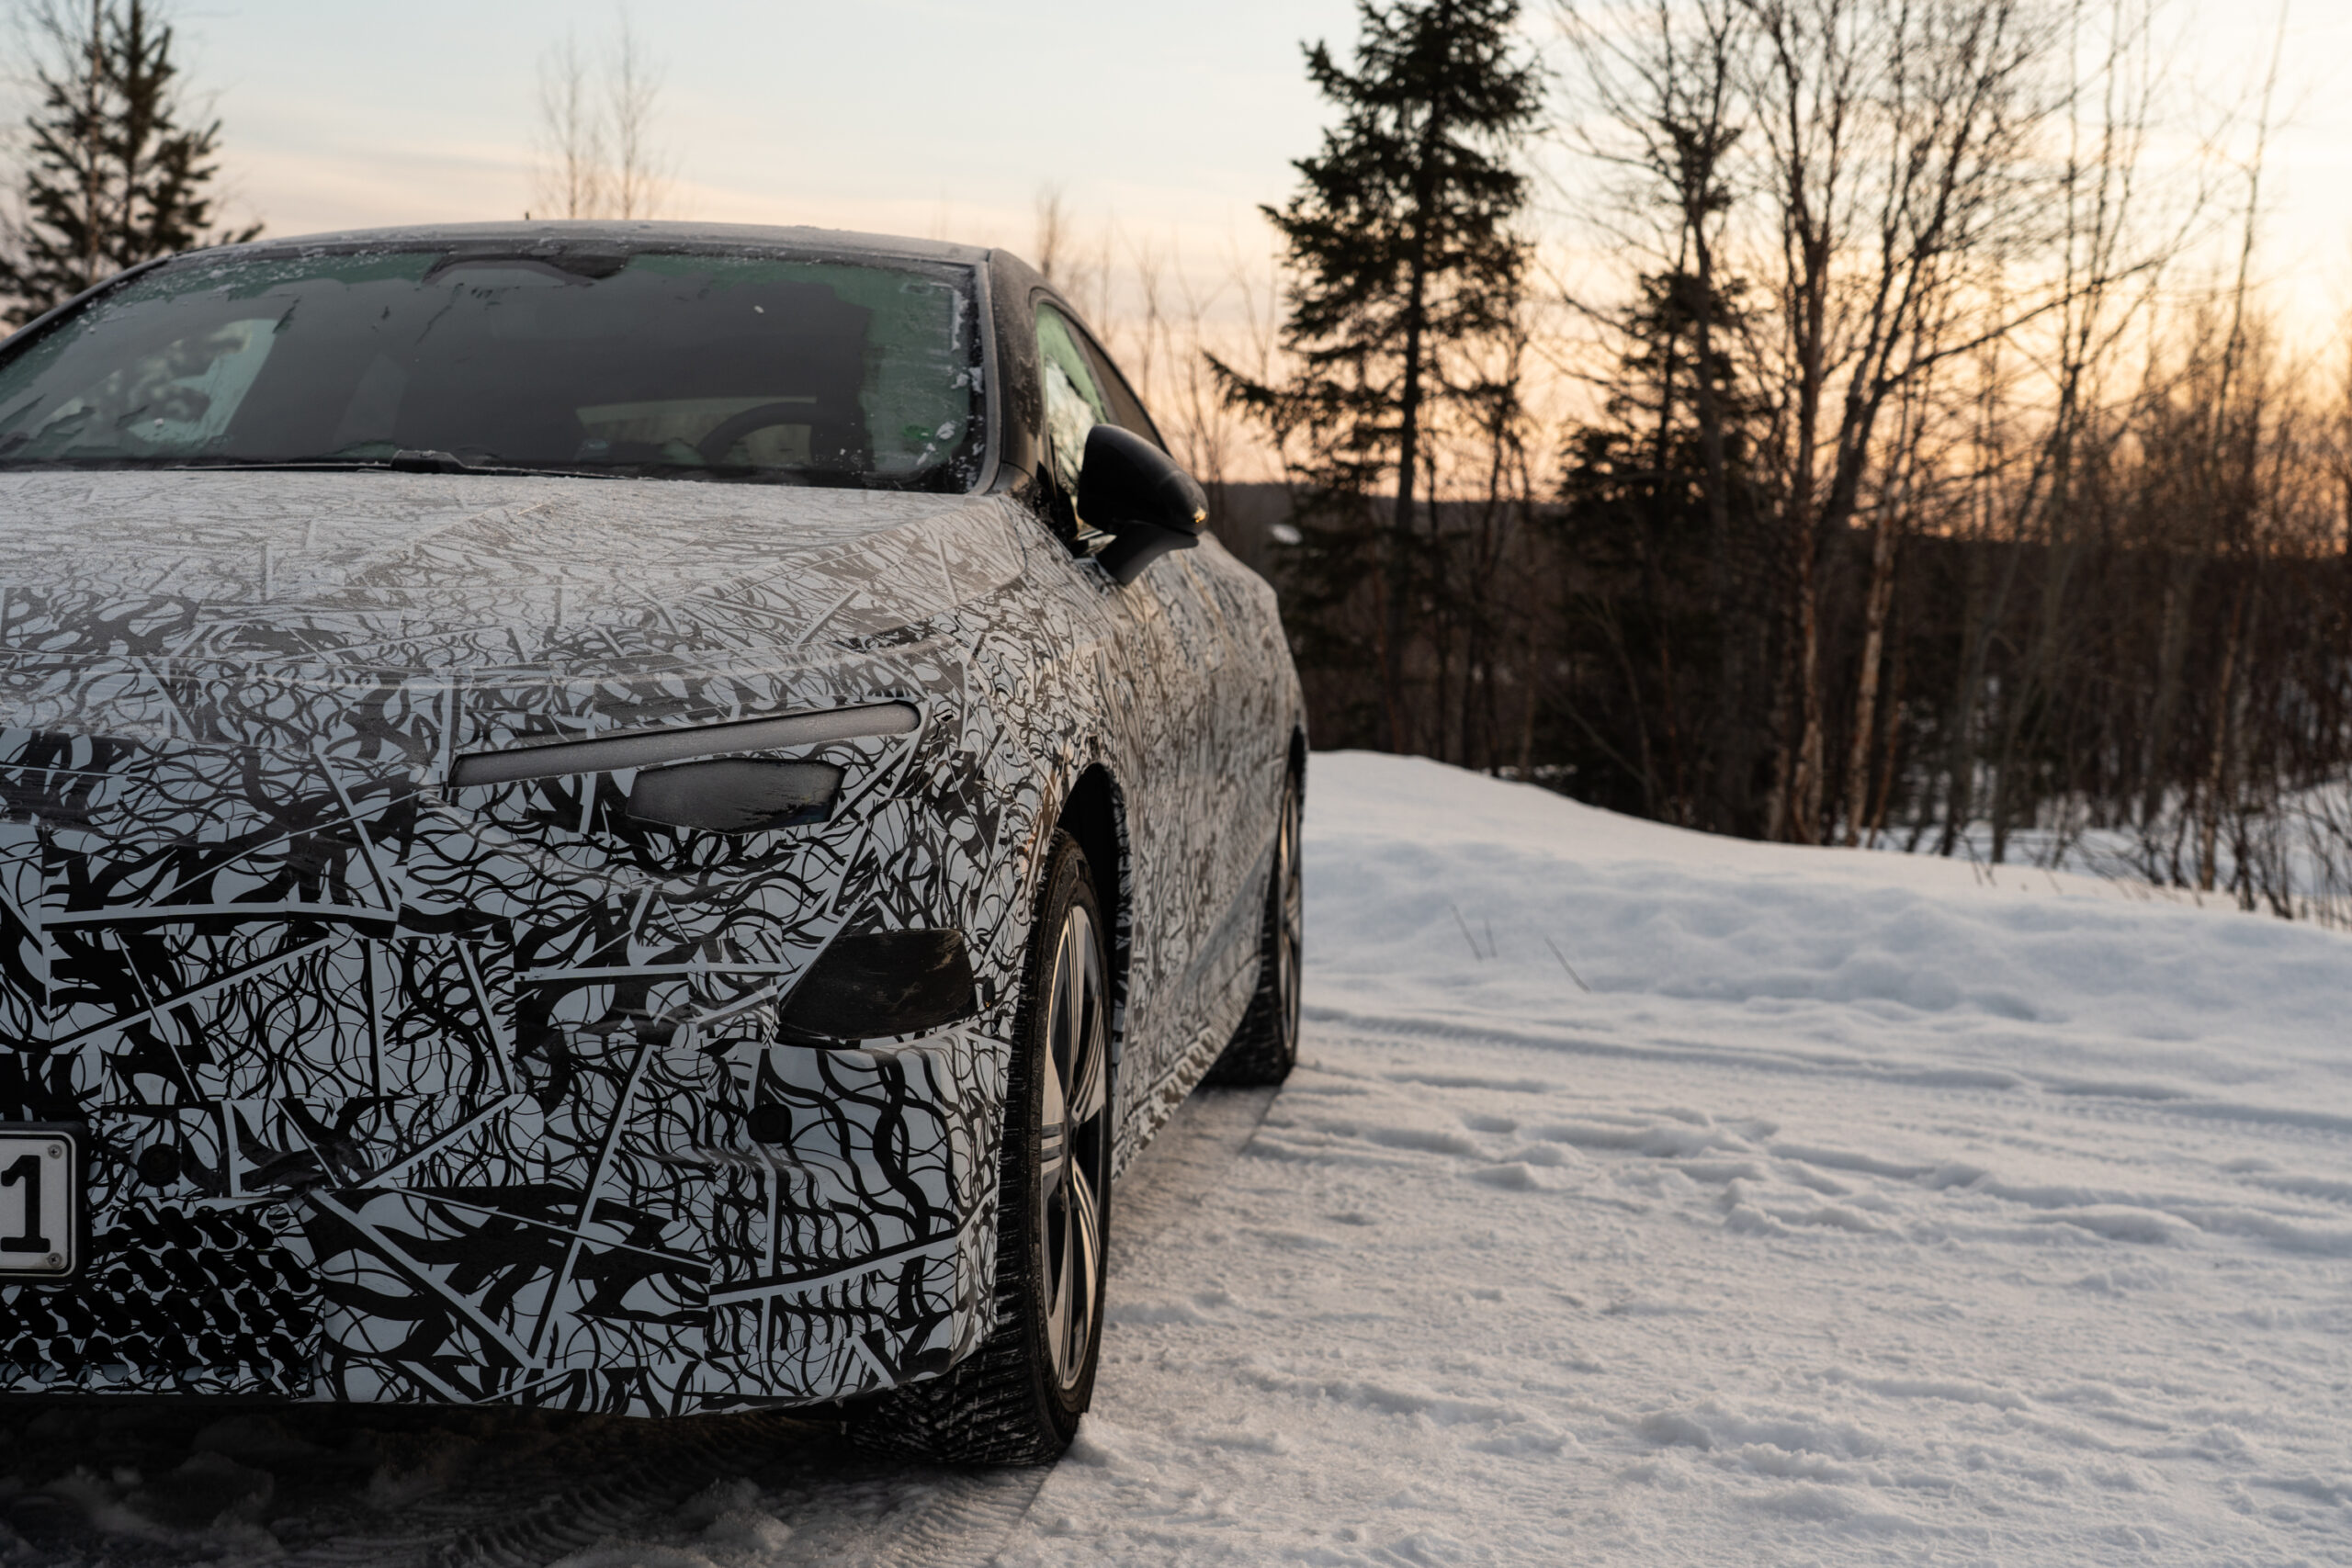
[1265, 1047]
[1017, 1400]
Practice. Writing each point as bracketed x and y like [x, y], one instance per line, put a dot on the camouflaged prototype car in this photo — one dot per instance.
[625, 817]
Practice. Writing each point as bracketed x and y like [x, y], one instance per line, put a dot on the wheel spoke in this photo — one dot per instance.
[1294, 885]
[1082, 1257]
[1060, 1299]
[1069, 1002]
[1086, 1224]
[1071, 1038]
[1073, 986]
[1290, 935]
[1053, 1107]
[1089, 1088]
[1090, 1094]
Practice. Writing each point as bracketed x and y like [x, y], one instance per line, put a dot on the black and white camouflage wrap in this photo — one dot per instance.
[456, 1079]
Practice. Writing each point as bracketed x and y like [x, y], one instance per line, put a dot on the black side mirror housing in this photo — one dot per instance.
[1135, 492]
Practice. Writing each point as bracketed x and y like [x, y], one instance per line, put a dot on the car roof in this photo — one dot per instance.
[751, 236]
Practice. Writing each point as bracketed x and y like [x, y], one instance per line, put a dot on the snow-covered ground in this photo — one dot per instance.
[1859, 1211]
[1642, 1198]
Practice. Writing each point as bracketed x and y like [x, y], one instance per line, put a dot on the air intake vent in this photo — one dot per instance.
[201, 1299]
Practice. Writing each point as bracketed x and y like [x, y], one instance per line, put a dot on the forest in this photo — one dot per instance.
[1903, 453]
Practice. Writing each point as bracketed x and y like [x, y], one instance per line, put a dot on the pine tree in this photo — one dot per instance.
[1668, 551]
[112, 178]
[1402, 260]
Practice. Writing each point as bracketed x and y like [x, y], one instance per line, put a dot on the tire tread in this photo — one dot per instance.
[994, 1407]
[1258, 1057]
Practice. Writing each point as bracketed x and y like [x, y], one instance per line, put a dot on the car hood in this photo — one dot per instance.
[283, 610]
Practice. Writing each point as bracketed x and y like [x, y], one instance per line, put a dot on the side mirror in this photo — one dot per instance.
[1135, 492]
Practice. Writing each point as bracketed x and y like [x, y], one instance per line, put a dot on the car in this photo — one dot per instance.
[628, 817]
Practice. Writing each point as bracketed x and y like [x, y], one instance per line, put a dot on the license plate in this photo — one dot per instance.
[40, 1202]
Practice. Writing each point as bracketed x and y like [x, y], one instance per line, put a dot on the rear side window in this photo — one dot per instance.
[1127, 408]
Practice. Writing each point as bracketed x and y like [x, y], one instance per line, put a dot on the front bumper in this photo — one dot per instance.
[663, 1277]
[452, 1105]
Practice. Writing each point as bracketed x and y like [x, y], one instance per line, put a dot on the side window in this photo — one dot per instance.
[1074, 400]
[1127, 408]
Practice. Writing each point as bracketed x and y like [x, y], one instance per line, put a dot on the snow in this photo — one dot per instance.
[1641, 1198]
[1863, 1210]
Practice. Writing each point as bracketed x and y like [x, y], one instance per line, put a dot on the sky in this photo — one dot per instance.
[901, 116]
[947, 118]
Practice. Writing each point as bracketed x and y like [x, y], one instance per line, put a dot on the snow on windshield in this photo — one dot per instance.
[673, 363]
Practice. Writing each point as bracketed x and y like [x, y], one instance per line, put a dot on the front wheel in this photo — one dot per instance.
[1017, 1399]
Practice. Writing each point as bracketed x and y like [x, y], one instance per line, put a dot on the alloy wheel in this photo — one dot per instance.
[1073, 1130]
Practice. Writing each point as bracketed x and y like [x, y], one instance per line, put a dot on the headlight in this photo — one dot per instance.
[651, 748]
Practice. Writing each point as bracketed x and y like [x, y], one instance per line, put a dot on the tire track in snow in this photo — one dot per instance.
[2127, 1104]
[1192, 1155]
[620, 1491]
[1766, 1184]
[963, 1526]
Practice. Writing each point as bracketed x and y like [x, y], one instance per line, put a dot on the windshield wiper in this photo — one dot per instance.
[431, 460]
[426, 460]
[407, 461]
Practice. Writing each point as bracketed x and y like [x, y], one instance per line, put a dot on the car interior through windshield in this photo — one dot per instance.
[672, 365]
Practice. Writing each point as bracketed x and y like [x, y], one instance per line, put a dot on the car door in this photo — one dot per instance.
[1163, 640]
[1230, 745]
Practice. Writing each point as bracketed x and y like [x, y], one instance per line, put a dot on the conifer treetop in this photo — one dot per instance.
[111, 177]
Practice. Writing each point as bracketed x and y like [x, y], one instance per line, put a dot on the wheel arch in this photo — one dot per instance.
[1095, 814]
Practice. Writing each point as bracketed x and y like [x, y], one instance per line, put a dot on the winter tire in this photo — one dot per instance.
[1265, 1047]
[1017, 1400]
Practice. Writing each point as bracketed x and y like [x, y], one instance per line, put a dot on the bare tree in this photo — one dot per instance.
[1078, 259]
[2242, 453]
[597, 157]
[1933, 207]
[1053, 243]
[1669, 78]
[1897, 138]
[639, 178]
[570, 179]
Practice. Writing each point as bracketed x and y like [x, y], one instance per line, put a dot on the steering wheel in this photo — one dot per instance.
[728, 430]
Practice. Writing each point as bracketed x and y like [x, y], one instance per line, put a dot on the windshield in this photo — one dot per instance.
[663, 364]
